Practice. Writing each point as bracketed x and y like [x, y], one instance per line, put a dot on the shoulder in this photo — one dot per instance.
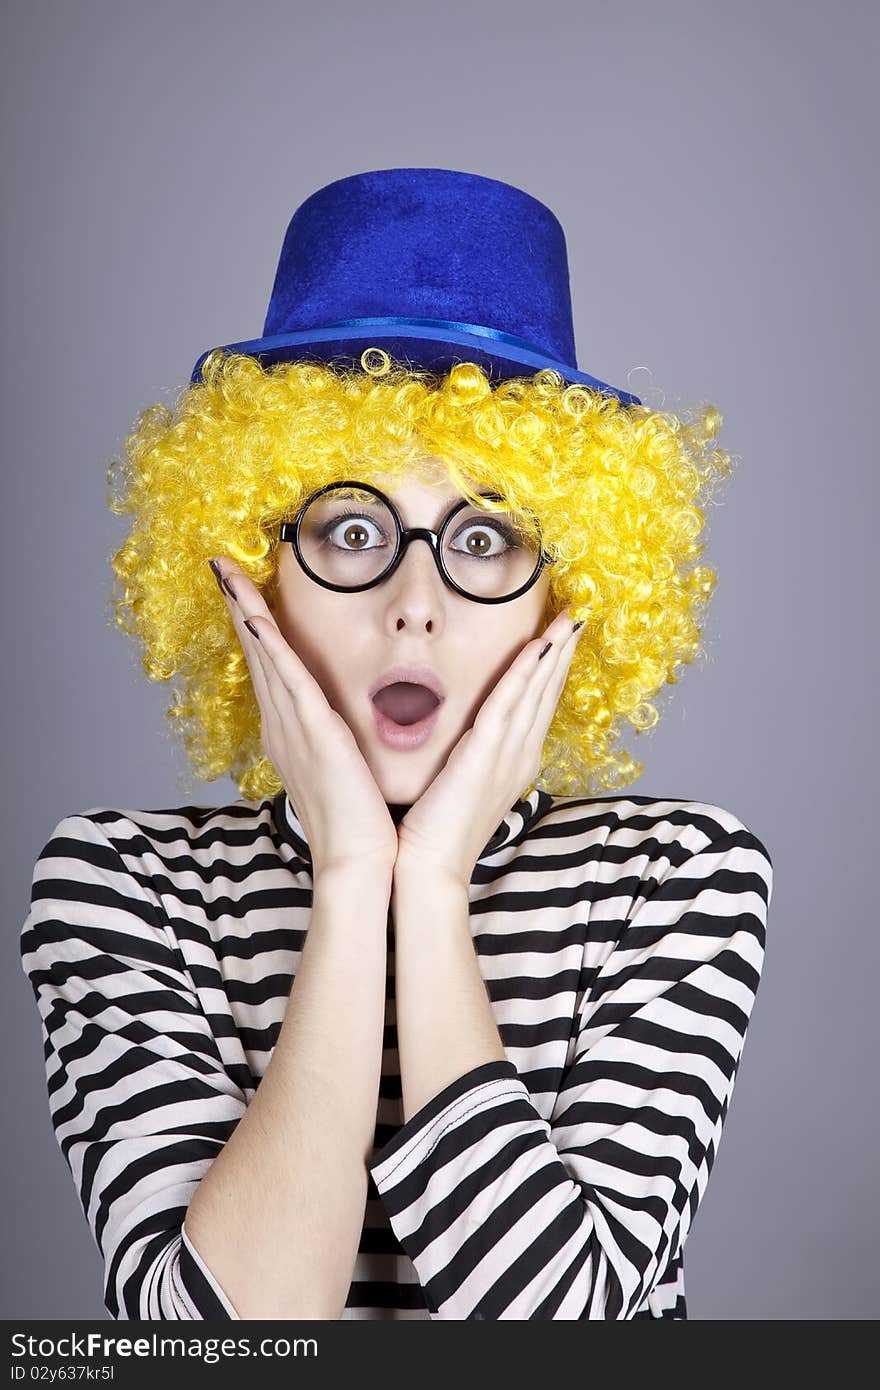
[141, 838]
[692, 823]
[656, 835]
[114, 860]
[110, 881]
[675, 879]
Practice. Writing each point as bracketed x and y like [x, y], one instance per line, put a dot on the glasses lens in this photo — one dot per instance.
[489, 552]
[347, 537]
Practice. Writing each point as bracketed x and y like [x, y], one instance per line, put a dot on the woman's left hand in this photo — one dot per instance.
[499, 755]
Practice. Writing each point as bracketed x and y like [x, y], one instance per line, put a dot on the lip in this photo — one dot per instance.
[406, 736]
[414, 675]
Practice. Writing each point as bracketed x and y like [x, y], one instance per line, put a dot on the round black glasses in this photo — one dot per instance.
[348, 537]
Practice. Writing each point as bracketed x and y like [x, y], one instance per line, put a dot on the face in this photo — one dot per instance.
[411, 619]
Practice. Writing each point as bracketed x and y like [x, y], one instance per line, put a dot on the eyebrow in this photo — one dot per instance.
[444, 506]
[451, 501]
[459, 497]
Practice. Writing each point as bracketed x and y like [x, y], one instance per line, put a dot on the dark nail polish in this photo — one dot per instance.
[216, 571]
[545, 650]
[228, 587]
[577, 626]
[250, 627]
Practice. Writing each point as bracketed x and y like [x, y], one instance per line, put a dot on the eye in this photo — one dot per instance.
[355, 534]
[494, 529]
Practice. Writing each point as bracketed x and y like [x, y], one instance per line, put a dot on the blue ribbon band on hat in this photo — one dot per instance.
[445, 325]
[438, 329]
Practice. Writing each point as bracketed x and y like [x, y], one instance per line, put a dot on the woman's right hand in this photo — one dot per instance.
[314, 752]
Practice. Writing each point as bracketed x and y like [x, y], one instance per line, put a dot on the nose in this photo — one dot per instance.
[415, 595]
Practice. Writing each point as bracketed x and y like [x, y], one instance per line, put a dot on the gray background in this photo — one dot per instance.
[152, 155]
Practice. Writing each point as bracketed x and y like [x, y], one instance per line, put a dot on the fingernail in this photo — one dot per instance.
[222, 580]
[250, 627]
[578, 626]
[544, 650]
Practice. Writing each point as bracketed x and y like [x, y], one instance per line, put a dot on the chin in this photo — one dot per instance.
[400, 789]
[403, 776]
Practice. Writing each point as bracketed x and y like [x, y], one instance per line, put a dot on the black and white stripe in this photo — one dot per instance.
[621, 939]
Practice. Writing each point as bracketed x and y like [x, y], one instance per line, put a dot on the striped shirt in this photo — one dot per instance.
[621, 940]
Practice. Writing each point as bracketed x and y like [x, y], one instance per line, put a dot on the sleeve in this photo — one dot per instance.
[505, 1215]
[138, 1096]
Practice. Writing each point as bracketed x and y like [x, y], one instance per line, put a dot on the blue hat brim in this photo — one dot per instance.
[430, 350]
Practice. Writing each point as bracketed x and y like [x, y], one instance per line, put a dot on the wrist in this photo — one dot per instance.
[372, 872]
[414, 871]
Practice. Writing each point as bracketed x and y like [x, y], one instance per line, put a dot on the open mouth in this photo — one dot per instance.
[405, 714]
[404, 703]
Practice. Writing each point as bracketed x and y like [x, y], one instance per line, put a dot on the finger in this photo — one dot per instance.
[289, 681]
[515, 697]
[286, 675]
[526, 722]
[275, 699]
[233, 587]
[319, 726]
[545, 673]
[260, 644]
[551, 693]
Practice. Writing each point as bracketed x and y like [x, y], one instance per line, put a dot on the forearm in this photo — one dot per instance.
[445, 1024]
[278, 1216]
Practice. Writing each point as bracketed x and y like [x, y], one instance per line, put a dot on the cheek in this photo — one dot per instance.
[303, 626]
[487, 661]
[492, 653]
[326, 643]
[300, 609]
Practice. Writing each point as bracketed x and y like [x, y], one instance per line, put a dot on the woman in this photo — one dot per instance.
[420, 1026]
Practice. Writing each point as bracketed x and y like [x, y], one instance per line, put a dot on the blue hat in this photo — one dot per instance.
[433, 265]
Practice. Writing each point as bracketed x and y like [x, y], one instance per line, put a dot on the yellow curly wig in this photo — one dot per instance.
[618, 492]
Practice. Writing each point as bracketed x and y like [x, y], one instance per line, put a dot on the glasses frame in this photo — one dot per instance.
[289, 531]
